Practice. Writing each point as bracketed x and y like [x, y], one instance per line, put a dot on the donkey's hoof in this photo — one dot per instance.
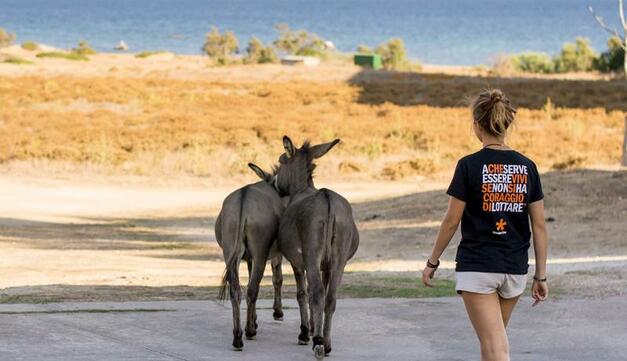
[251, 335]
[327, 350]
[278, 315]
[319, 352]
[238, 345]
[303, 338]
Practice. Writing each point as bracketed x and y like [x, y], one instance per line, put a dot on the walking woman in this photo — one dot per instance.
[495, 192]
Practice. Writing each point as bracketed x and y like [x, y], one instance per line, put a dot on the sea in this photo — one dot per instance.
[447, 32]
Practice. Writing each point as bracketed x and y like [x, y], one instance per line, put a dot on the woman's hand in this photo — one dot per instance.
[539, 291]
[428, 273]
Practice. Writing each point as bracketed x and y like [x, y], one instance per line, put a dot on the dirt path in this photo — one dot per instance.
[62, 240]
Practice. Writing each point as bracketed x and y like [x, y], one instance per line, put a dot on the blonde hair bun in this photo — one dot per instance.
[493, 111]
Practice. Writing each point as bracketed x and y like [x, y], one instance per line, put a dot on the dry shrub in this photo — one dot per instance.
[570, 162]
[347, 167]
[213, 129]
[503, 65]
[407, 168]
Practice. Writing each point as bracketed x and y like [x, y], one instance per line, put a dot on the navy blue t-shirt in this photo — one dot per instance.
[497, 186]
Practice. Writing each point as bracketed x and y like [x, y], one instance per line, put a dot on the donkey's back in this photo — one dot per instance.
[322, 226]
[246, 213]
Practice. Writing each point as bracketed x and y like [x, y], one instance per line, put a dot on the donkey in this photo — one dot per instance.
[247, 228]
[318, 235]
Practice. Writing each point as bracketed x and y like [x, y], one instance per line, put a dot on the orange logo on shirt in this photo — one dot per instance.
[500, 225]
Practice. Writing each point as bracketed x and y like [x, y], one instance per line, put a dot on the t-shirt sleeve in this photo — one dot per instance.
[535, 185]
[459, 184]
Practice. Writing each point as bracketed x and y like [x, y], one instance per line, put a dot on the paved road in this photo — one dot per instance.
[365, 329]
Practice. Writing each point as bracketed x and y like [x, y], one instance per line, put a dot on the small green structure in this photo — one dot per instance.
[368, 60]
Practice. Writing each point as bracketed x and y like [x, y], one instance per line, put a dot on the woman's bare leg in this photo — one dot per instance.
[507, 306]
[485, 315]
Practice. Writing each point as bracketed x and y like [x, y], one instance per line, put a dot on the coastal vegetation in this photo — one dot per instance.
[301, 42]
[393, 55]
[221, 47]
[573, 57]
[12, 59]
[83, 48]
[30, 45]
[78, 53]
[63, 55]
[258, 53]
[147, 54]
[6, 38]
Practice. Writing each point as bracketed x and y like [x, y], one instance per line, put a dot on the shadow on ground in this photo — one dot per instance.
[440, 90]
[111, 233]
[581, 205]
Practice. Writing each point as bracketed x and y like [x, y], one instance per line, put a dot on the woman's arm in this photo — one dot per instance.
[539, 290]
[447, 230]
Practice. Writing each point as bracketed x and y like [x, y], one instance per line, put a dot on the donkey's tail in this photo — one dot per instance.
[230, 277]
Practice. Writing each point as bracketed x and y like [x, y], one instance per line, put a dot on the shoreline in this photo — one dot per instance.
[169, 64]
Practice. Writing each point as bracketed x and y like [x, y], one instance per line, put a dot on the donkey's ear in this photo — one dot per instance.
[290, 150]
[319, 150]
[259, 172]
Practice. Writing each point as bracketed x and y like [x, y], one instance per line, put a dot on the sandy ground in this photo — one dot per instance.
[198, 67]
[65, 239]
[364, 329]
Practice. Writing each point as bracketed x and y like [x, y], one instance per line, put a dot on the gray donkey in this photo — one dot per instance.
[317, 235]
[247, 228]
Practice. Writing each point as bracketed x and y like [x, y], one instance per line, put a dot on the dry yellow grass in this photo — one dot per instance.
[160, 126]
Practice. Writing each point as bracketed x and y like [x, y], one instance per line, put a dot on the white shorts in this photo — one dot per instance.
[505, 284]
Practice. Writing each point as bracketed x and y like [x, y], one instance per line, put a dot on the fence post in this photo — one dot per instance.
[625, 144]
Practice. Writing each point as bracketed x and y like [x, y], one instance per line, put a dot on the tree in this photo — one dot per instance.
[6, 38]
[258, 53]
[300, 42]
[393, 54]
[575, 57]
[83, 48]
[220, 47]
[613, 58]
[613, 31]
[533, 63]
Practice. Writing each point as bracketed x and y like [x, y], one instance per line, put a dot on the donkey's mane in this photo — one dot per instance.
[311, 166]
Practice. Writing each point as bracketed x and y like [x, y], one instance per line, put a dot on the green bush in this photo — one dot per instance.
[575, 57]
[221, 47]
[533, 63]
[393, 54]
[6, 38]
[61, 55]
[613, 59]
[258, 53]
[16, 60]
[83, 48]
[30, 45]
[300, 42]
[146, 54]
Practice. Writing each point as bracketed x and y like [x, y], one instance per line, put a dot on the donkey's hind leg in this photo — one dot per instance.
[277, 282]
[301, 296]
[316, 298]
[235, 292]
[334, 280]
[259, 265]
